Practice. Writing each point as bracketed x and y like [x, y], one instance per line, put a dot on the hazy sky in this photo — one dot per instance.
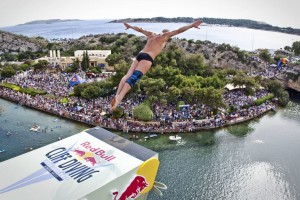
[279, 13]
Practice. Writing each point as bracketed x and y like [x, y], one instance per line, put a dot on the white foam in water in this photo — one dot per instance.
[258, 141]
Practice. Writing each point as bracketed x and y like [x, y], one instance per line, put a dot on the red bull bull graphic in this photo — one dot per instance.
[137, 185]
[86, 156]
[143, 181]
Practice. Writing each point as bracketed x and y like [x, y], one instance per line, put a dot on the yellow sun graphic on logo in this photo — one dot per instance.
[149, 171]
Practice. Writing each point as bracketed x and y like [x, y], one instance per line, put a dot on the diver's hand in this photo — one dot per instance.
[196, 24]
[127, 26]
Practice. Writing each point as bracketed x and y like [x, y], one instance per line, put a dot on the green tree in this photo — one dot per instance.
[241, 79]
[85, 63]
[24, 66]
[213, 81]
[211, 97]
[9, 57]
[194, 65]
[265, 56]
[283, 97]
[118, 112]
[152, 87]
[41, 65]
[288, 48]
[8, 72]
[173, 94]
[167, 73]
[143, 112]
[90, 92]
[120, 69]
[296, 48]
[79, 88]
[224, 47]
[277, 88]
[114, 59]
[188, 94]
[75, 65]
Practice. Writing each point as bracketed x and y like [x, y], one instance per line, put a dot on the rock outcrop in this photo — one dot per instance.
[17, 43]
[295, 85]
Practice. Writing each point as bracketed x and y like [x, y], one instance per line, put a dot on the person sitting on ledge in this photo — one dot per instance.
[144, 59]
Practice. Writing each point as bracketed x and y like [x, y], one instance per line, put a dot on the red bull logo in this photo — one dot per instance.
[135, 187]
[92, 154]
[87, 156]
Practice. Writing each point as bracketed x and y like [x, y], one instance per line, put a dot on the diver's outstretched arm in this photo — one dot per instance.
[138, 29]
[195, 24]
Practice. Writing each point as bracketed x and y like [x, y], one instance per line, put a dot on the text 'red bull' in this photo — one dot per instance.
[134, 188]
[97, 151]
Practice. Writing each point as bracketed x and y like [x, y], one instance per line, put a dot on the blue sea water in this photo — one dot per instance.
[244, 38]
[254, 160]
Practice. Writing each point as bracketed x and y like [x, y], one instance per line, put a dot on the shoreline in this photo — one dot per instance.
[161, 131]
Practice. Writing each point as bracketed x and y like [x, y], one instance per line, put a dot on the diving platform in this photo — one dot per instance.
[91, 165]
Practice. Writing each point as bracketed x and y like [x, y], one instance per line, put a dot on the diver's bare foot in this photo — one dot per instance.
[112, 104]
[113, 101]
[116, 101]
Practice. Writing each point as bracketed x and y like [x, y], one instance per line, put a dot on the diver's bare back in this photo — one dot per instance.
[155, 43]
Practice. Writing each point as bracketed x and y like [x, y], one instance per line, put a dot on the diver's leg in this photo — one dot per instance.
[122, 82]
[129, 73]
[143, 66]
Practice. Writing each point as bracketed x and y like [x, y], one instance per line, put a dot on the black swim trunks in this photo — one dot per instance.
[144, 56]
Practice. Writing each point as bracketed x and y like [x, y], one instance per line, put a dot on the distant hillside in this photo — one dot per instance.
[10, 42]
[49, 21]
[230, 22]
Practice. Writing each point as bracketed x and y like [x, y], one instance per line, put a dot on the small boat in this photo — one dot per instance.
[150, 136]
[2, 150]
[35, 128]
[174, 138]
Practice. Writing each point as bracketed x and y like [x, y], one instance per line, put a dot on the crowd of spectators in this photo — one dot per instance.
[167, 118]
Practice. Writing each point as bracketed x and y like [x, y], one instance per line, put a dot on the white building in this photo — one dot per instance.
[93, 53]
[97, 58]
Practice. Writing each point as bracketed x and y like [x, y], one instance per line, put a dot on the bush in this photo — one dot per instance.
[277, 89]
[232, 109]
[143, 112]
[283, 98]
[71, 94]
[263, 99]
[32, 91]
[8, 72]
[118, 112]
[11, 86]
[180, 103]
[64, 100]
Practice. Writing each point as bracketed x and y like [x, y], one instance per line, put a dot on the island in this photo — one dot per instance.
[48, 21]
[245, 23]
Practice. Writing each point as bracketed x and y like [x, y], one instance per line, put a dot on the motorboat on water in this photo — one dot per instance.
[174, 138]
[150, 136]
[2, 150]
[35, 128]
